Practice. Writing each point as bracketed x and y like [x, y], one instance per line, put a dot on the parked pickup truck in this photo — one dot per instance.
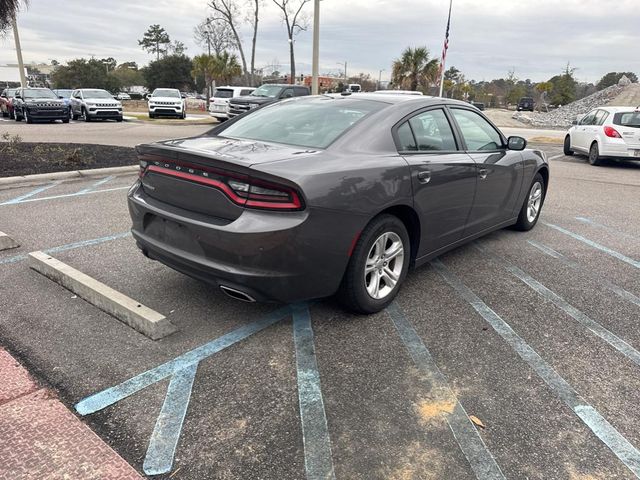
[267, 93]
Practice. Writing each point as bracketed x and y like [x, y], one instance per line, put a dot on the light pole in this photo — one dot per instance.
[345, 69]
[23, 79]
[316, 47]
[380, 77]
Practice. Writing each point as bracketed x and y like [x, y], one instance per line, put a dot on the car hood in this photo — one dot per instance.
[165, 99]
[253, 99]
[245, 153]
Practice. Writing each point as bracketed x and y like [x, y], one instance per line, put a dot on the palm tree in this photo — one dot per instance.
[221, 68]
[414, 68]
[8, 11]
[204, 65]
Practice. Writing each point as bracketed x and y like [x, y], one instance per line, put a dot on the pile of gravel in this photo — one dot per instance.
[563, 116]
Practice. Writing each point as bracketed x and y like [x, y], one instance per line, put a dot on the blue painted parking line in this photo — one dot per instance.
[595, 224]
[617, 443]
[66, 195]
[182, 370]
[97, 184]
[470, 442]
[69, 246]
[315, 433]
[596, 328]
[621, 292]
[36, 191]
[597, 246]
[166, 434]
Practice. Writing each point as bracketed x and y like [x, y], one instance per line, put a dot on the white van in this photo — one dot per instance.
[353, 88]
[219, 103]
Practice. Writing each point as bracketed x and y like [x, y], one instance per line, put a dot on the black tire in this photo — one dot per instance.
[85, 115]
[567, 146]
[72, 115]
[12, 115]
[27, 117]
[16, 116]
[5, 114]
[151, 115]
[594, 155]
[119, 119]
[65, 120]
[524, 223]
[353, 293]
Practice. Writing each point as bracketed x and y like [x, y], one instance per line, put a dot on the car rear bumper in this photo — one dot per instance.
[620, 150]
[271, 256]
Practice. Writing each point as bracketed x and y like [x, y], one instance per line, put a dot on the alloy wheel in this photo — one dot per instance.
[384, 265]
[534, 202]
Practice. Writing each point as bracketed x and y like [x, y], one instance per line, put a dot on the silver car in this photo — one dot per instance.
[94, 103]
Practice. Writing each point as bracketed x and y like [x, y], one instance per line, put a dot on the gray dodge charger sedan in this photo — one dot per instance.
[332, 194]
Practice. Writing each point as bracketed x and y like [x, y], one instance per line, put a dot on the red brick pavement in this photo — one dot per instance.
[40, 439]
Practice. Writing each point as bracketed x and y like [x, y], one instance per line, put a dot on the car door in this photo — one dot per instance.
[443, 177]
[579, 138]
[499, 170]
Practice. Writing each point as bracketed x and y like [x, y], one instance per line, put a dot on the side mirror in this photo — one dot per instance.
[60, 97]
[516, 143]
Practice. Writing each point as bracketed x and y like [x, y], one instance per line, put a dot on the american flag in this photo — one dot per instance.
[446, 45]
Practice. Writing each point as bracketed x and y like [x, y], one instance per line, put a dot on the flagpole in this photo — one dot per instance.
[444, 50]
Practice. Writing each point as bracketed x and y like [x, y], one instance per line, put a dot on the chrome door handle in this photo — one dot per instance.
[482, 173]
[424, 176]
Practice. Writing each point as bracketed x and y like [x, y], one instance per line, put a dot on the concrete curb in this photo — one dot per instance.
[6, 242]
[137, 316]
[39, 178]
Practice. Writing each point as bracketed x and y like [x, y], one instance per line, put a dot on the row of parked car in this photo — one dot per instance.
[32, 104]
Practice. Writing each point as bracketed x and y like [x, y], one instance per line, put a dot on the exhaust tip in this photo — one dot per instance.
[237, 294]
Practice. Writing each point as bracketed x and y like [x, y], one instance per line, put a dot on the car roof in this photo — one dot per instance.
[394, 98]
[616, 109]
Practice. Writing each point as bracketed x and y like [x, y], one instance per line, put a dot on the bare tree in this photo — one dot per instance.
[253, 20]
[295, 22]
[215, 34]
[228, 12]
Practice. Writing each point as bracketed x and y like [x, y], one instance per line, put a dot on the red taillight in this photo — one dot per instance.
[240, 189]
[611, 132]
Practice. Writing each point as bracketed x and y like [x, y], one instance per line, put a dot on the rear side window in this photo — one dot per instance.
[601, 115]
[478, 134]
[627, 119]
[406, 138]
[432, 131]
[245, 92]
[223, 93]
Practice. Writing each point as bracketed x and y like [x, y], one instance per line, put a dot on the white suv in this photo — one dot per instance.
[606, 132]
[167, 102]
[219, 103]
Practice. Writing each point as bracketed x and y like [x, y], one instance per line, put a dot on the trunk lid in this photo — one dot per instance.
[628, 126]
[206, 174]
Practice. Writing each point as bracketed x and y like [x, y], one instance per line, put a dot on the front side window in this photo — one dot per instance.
[288, 93]
[309, 122]
[245, 92]
[589, 118]
[478, 134]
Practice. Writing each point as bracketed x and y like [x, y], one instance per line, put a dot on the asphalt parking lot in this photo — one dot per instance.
[511, 358]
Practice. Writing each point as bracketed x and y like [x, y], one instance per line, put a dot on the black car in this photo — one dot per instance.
[526, 103]
[33, 104]
[332, 193]
[268, 93]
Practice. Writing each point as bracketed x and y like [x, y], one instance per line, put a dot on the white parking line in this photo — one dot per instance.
[555, 157]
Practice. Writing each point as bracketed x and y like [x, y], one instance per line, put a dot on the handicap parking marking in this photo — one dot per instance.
[596, 328]
[597, 246]
[626, 452]
[97, 184]
[621, 292]
[30, 194]
[182, 370]
[65, 195]
[68, 246]
[478, 455]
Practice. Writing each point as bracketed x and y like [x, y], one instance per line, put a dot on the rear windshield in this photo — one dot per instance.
[627, 119]
[314, 122]
[223, 93]
[526, 99]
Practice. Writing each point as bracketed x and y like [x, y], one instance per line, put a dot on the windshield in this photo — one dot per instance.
[223, 93]
[267, 91]
[96, 94]
[627, 119]
[166, 92]
[314, 123]
[11, 92]
[38, 93]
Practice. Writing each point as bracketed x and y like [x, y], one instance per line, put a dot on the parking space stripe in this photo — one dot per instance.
[470, 442]
[621, 292]
[315, 433]
[69, 246]
[595, 245]
[593, 223]
[606, 335]
[97, 184]
[619, 445]
[105, 398]
[555, 157]
[66, 195]
[166, 434]
[36, 191]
